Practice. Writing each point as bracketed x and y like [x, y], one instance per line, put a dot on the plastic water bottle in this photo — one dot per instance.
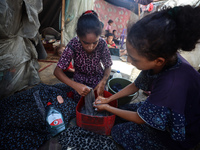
[54, 119]
[117, 74]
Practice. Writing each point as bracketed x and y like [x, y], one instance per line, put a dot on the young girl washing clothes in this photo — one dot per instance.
[89, 52]
[169, 119]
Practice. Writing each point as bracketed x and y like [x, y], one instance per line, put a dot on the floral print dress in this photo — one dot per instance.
[88, 67]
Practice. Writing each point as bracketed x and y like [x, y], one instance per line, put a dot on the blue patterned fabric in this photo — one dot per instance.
[171, 111]
[76, 138]
[23, 124]
[164, 119]
[135, 136]
[144, 80]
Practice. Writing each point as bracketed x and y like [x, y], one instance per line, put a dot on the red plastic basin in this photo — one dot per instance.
[98, 124]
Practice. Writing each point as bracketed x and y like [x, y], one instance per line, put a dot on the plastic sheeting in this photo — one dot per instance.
[173, 3]
[19, 26]
[74, 11]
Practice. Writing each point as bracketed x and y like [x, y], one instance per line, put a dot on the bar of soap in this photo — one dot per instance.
[60, 99]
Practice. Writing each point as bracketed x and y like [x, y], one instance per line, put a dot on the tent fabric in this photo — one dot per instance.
[119, 15]
[173, 3]
[51, 14]
[128, 4]
[74, 11]
[144, 2]
[18, 56]
[49, 17]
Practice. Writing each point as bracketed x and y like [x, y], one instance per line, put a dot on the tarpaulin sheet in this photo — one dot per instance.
[19, 26]
[74, 9]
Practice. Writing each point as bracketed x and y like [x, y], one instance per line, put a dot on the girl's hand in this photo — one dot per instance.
[82, 89]
[101, 107]
[100, 88]
[101, 100]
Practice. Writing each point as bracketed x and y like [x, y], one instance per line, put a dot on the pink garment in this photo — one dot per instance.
[107, 11]
[108, 27]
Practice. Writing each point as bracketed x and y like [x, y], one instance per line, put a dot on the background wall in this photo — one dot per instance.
[107, 11]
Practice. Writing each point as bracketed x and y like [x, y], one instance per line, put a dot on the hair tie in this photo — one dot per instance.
[88, 12]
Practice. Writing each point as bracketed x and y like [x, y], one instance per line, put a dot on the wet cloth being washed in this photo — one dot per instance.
[89, 99]
[23, 124]
[88, 108]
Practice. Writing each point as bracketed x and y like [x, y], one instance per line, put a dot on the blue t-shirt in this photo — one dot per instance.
[174, 102]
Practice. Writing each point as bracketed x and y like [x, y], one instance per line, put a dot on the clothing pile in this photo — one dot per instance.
[23, 124]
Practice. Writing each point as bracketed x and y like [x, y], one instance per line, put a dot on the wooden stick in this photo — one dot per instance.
[138, 10]
[62, 20]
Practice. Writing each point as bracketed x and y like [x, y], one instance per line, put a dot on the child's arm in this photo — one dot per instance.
[101, 85]
[82, 89]
[125, 114]
[71, 70]
[128, 90]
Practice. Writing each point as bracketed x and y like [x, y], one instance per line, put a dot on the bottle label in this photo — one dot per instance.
[55, 119]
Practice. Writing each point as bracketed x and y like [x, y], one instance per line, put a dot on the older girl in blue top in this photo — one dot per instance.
[170, 117]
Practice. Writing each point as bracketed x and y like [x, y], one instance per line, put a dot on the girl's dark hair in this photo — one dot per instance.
[162, 34]
[110, 21]
[109, 34]
[88, 22]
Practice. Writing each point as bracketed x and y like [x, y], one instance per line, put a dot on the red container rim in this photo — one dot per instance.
[80, 115]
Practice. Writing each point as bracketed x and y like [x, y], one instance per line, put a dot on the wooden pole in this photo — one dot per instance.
[138, 10]
[62, 20]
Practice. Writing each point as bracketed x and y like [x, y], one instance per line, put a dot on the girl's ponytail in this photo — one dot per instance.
[163, 33]
[187, 26]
